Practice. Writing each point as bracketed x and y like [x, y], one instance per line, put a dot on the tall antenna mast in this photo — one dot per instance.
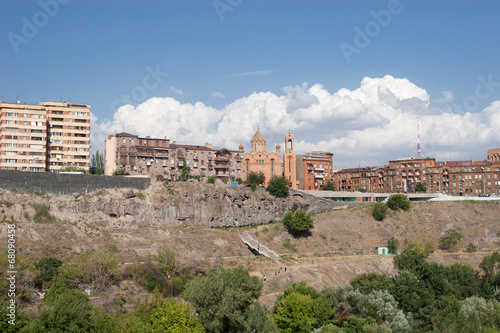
[418, 139]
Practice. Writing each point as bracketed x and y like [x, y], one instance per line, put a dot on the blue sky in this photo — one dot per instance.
[238, 57]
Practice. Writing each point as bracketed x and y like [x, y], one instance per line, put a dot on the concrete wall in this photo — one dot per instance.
[53, 183]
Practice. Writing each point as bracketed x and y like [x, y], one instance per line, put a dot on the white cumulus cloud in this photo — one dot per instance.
[369, 125]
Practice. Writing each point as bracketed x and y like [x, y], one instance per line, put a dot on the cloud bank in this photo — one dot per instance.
[366, 126]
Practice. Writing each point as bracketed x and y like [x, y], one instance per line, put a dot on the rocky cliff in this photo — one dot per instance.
[179, 203]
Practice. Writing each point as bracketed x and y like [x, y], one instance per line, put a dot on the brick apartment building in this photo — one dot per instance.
[152, 156]
[314, 170]
[402, 175]
[44, 137]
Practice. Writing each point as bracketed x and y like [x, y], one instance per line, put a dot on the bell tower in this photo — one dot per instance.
[290, 162]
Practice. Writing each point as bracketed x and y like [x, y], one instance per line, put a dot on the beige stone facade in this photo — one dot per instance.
[258, 159]
[290, 162]
[44, 137]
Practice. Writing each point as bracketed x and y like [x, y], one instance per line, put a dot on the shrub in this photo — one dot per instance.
[278, 186]
[471, 248]
[397, 201]
[239, 180]
[379, 211]
[449, 239]
[224, 180]
[329, 186]
[120, 172]
[254, 178]
[298, 223]
[48, 267]
[211, 179]
[420, 188]
[393, 245]
[42, 214]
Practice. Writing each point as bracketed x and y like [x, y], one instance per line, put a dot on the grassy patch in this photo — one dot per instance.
[8, 204]
[32, 191]
[79, 194]
[288, 245]
[266, 229]
[42, 214]
[322, 236]
[27, 216]
[141, 196]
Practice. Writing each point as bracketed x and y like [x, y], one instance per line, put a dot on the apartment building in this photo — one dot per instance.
[44, 137]
[402, 175]
[68, 139]
[153, 156]
[314, 170]
[23, 137]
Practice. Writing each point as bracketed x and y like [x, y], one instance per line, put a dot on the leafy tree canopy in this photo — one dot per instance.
[278, 186]
[298, 223]
[397, 201]
[223, 298]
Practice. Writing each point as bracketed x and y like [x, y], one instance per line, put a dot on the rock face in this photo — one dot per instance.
[179, 203]
[201, 204]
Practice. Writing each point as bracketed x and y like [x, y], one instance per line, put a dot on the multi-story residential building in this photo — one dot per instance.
[23, 137]
[402, 175]
[44, 137]
[494, 155]
[314, 169]
[152, 156]
[68, 140]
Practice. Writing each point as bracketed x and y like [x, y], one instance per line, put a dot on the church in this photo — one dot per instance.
[258, 159]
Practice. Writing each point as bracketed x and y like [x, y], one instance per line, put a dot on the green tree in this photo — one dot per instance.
[97, 163]
[166, 261]
[71, 168]
[211, 179]
[471, 248]
[48, 267]
[397, 201]
[490, 265]
[420, 188]
[329, 186]
[411, 258]
[368, 282]
[296, 311]
[255, 179]
[239, 180]
[175, 317]
[379, 211]
[223, 298]
[450, 238]
[393, 245]
[278, 186]
[185, 173]
[298, 223]
[64, 310]
[224, 180]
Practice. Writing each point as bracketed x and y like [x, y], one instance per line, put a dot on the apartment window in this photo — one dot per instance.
[10, 114]
[11, 129]
[57, 134]
[10, 153]
[8, 122]
[10, 145]
[36, 131]
[36, 116]
[35, 138]
[10, 161]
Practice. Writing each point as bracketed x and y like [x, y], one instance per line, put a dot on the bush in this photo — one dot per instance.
[224, 180]
[120, 172]
[329, 186]
[420, 188]
[298, 223]
[254, 178]
[449, 239]
[393, 245]
[239, 180]
[211, 179]
[278, 186]
[397, 201]
[48, 267]
[471, 248]
[379, 211]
